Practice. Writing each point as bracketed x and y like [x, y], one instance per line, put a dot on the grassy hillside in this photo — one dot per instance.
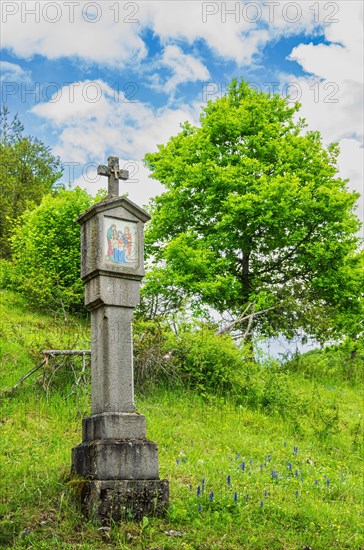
[240, 477]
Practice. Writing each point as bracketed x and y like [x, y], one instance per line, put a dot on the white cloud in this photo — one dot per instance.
[233, 30]
[91, 131]
[105, 34]
[332, 93]
[184, 68]
[111, 32]
[13, 73]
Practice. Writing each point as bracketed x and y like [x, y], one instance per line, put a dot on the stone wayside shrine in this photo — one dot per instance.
[119, 465]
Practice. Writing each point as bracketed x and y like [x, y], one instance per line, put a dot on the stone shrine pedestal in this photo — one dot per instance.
[118, 463]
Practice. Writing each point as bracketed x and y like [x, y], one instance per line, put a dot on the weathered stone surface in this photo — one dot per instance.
[113, 173]
[112, 291]
[113, 426]
[116, 501]
[112, 384]
[123, 459]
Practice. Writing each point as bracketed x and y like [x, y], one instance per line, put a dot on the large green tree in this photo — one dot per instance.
[28, 171]
[255, 220]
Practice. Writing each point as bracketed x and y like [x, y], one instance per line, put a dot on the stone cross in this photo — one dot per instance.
[118, 464]
[113, 173]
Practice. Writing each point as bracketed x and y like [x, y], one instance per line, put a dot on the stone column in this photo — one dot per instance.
[118, 463]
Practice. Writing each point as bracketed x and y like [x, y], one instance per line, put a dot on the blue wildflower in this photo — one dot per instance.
[296, 473]
[295, 450]
[211, 496]
[236, 496]
[203, 483]
[190, 488]
[261, 467]
[199, 508]
[316, 482]
[228, 479]
[289, 466]
[296, 493]
[198, 492]
[274, 474]
[285, 444]
[265, 493]
[328, 482]
[261, 504]
[242, 466]
[246, 497]
[177, 461]
[268, 458]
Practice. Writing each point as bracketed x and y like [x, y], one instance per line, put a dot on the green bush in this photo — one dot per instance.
[332, 365]
[153, 365]
[207, 362]
[194, 357]
[46, 251]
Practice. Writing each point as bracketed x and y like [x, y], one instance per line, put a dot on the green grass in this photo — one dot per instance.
[198, 439]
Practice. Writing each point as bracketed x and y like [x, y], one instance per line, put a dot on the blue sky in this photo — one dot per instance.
[93, 79]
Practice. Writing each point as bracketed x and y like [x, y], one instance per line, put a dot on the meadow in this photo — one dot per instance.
[283, 476]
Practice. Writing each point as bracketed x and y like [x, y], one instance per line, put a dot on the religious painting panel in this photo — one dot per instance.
[120, 247]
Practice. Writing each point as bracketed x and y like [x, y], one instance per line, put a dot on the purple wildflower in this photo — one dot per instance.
[211, 496]
[242, 466]
[198, 492]
[228, 479]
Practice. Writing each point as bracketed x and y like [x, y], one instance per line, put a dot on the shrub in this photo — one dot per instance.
[332, 365]
[194, 357]
[153, 365]
[206, 361]
[46, 251]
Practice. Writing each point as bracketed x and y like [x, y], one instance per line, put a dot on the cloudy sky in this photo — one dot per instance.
[93, 79]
